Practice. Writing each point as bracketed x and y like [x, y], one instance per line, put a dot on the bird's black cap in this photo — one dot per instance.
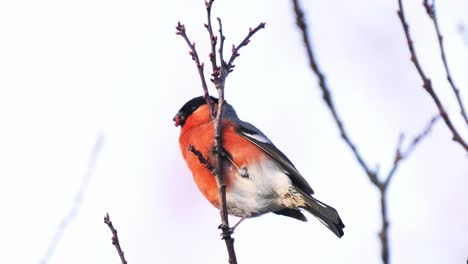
[189, 107]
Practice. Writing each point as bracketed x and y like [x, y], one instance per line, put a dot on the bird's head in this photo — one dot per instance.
[189, 108]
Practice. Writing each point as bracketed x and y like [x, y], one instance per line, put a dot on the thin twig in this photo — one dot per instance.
[115, 238]
[400, 155]
[202, 159]
[213, 42]
[431, 12]
[78, 200]
[235, 49]
[200, 66]
[381, 185]
[427, 84]
[221, 46]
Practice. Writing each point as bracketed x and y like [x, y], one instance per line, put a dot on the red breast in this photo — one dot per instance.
[198, 131]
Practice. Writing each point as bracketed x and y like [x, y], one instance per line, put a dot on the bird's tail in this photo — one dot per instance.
[324, 213]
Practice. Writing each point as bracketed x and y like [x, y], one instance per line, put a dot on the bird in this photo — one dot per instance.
[259, 178]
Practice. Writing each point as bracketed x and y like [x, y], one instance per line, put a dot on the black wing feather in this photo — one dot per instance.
[247, 130]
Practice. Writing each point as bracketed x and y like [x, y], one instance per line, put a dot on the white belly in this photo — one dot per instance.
[260, 192]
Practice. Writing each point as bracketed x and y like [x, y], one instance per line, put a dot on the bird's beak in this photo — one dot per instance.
[177, 120]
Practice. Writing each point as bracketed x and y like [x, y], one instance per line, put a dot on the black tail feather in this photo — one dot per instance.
[326, 214]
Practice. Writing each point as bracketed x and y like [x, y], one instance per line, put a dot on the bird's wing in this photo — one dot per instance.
[254, 135]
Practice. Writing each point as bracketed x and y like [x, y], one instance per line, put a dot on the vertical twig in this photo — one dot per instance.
[219, 172]
[427, 84]
[219, 75]
[226, 230]
[213, 42]
[383, 235]
[380, 184]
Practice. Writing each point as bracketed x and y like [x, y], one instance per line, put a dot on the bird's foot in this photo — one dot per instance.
[226, 231]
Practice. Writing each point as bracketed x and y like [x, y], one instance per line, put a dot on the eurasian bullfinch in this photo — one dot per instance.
[259, 177]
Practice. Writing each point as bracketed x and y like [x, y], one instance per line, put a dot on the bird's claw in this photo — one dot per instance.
[226, 231]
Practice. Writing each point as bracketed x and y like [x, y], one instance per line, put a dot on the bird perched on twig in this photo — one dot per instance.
[259, 177]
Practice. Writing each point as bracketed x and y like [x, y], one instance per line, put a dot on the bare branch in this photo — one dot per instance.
[200, 66]
[427, 85]
[383, 234]
[115, 238]
[381, 185]
[244, 42]
[221, 45]
[218, 80]
[213, 42]
[402, 155]
[326, 95]
[219, 74]
[202, 159]
[72, 213]
[431, 12]
[226, 230]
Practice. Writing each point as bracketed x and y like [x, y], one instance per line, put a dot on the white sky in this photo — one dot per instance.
[72, 70]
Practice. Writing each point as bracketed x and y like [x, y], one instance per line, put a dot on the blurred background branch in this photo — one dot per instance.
[431, 12]
[373, 174]
[427, 84]
[77, 201]
[461, 28]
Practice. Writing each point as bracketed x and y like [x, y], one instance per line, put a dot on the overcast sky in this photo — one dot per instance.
[72, 72]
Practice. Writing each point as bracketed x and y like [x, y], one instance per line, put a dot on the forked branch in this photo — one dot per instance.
[431, 12]
[380, 184]
[326, 95]
[400, 154]
[427, 84]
